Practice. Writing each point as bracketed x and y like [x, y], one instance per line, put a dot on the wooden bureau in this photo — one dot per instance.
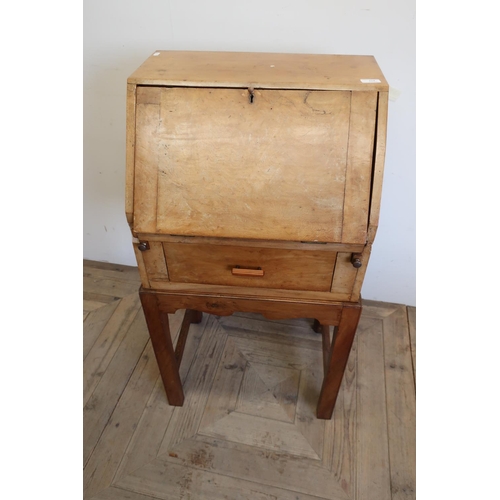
[253, 184]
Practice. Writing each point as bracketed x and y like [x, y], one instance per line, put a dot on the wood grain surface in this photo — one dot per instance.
[245, 174]
[282, 269]
[260, 70]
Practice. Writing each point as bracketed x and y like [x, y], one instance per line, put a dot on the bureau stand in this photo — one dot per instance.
[157, 306]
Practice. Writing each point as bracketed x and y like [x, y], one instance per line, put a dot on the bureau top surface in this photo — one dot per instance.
[260, 70]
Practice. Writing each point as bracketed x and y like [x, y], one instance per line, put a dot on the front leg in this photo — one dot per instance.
[159, 331]
[335, 358]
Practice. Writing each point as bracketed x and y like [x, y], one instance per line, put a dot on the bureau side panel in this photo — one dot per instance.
[360, 275]
[140, 263]
[154, 260]
[344, 275]
[359, 166]
[130, 156]
[378, 169]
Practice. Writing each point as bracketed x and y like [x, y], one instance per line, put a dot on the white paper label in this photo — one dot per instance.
[156, 54]
[394, 94]
[370, 80]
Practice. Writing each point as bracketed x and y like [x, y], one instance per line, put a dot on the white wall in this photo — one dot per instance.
[120, 34]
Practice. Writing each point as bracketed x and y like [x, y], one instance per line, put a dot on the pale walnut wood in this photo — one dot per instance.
[329, 160]
[155, 263]
[378, 167]
[130, 149]
[291, 245]
[259, 70]
[360, 274]
[282, 269]
[344, 316]
[251, 292]
[238, 166]
[189, 317]
[335, 357]
[236, 271]
[139, 256]
[267, 375]
[344, 275]
[240, 154]
[347, 278]
[327, 344]
[223, 305]
[146, 170]
[161, 339]
[359, 166]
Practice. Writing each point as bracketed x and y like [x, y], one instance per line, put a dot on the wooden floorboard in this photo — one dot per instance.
[247, 430]
[99, 299]
[400, 400]
[108, 342]
[101, 404]
[113, 493]
[94, 324]
[372, 448]
[126, 272]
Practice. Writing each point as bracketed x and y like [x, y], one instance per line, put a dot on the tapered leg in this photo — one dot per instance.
[161, 339]
[336, 359]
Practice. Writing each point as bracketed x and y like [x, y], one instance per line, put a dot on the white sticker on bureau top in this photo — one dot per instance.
[370, 80]
[156, 54]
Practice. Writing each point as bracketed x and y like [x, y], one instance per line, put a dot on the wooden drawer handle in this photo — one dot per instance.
[238, 271]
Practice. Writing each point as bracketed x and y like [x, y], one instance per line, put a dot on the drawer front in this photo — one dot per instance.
[250, 267]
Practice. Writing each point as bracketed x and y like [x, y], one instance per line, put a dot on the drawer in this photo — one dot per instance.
[250, 267]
